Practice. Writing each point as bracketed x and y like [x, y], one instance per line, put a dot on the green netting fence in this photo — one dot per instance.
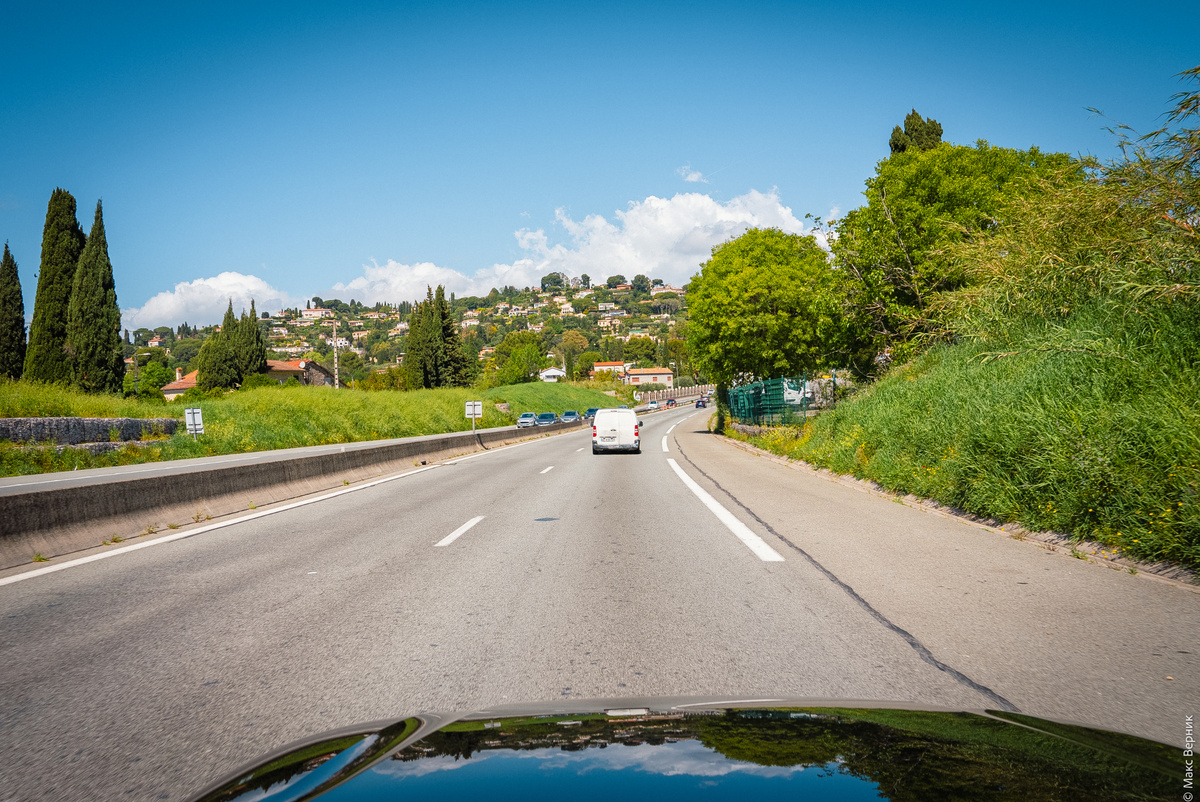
[791, 399]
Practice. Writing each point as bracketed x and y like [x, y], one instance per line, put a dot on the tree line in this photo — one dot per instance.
[74, 336]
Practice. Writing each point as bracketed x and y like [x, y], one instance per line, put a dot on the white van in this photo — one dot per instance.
[616, 430]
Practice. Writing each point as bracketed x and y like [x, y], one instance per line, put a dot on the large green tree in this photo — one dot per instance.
[570, 346]
[894, 252]
[217, 362]
[94, 319]
[764, 306]
[62, 244]
[641, 349]
[12, 318]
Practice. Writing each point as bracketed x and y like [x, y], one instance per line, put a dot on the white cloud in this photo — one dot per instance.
[691, 176]
[682, 758]
[203, 301]
[665, 238]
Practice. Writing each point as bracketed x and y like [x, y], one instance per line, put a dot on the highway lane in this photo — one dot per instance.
[582, 576]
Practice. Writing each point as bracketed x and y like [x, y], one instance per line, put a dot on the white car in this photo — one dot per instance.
[616, 430]
[652, 405]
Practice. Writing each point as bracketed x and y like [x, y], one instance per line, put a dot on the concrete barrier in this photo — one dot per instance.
[61, 514]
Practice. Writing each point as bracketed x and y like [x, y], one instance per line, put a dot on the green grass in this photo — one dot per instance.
[1091, 430]
[19, 399]
[277, 417]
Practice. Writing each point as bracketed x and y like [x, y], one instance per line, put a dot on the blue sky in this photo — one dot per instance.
[365, 149]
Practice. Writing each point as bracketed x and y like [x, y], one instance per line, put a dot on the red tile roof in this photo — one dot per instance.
[286, 365]
[179, 385]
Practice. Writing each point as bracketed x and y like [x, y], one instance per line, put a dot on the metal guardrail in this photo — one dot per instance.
[790, 399]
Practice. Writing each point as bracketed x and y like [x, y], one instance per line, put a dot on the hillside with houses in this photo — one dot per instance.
[632, 332]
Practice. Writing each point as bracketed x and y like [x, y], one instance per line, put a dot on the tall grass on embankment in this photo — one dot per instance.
[275, 417]
[22, 399]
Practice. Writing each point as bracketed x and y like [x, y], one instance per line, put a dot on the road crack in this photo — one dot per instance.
[920, 648]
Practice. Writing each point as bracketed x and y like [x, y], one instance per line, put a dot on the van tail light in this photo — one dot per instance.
[636, 429]
[593, 430]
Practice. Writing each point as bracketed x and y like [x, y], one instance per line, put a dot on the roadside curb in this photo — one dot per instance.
[1088, 551]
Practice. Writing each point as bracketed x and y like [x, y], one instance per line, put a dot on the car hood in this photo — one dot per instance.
[713, 749]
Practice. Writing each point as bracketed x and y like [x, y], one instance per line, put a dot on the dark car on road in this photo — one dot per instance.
[701, 403]
[671, 403]
[570, 416]
[590, 413]
[547, 419]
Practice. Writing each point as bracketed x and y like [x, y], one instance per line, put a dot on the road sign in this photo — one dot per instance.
[194, 420]
[474, 410]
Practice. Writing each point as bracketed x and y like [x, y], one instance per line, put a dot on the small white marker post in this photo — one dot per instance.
[194, 420]
[474, 409]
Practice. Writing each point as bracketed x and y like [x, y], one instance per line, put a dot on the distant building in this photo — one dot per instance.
[306, 371]
[316, 314]
[662, 376]
[552, 374]
[180, 386]
[617, 368]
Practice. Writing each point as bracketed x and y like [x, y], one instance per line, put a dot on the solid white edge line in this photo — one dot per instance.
[547, 470]
[453, 536]
[665, 443]
[742, 532]
[50, 569]
[192, 533]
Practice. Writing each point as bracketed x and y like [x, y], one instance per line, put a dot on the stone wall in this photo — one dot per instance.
[73, 431]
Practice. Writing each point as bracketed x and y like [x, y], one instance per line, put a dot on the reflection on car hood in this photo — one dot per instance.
[715, 749]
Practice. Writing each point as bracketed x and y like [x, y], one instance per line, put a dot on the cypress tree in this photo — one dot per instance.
[217, 364]
[93, 318]
[420, 358]
[62, 245]
[12, 318]
[453, 365]
[251, 345]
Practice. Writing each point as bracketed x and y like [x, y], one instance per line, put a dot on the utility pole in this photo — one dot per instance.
[336, 382]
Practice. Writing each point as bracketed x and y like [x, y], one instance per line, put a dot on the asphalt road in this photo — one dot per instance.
[149, 674]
